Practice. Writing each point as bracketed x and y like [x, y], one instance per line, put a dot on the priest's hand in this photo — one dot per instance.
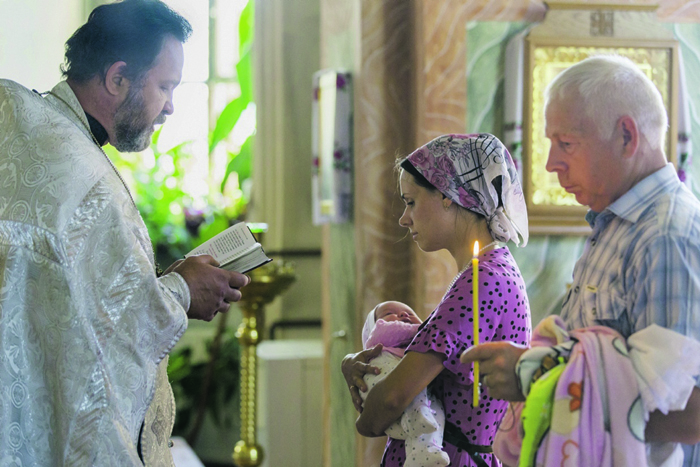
[355, 366]
[211, 289]
[172, 267]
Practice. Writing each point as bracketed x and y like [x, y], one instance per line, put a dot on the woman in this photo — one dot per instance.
[457, 190]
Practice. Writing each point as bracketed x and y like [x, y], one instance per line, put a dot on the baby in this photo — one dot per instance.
[394, 324]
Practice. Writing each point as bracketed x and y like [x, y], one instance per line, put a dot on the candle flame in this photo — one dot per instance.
[476, 249]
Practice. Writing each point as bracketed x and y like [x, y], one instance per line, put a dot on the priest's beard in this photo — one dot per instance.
[132, 129]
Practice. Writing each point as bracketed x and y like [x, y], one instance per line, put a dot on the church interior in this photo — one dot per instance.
[410, 70]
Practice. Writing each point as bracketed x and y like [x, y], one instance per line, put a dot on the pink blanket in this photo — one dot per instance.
[597, 416]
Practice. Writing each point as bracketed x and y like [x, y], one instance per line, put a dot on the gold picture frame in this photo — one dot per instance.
[551, 210]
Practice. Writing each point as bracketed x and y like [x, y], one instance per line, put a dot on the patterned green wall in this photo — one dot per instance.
[688, 35]
[547, 262]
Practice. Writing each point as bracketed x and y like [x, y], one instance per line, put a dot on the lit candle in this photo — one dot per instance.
[475, 308]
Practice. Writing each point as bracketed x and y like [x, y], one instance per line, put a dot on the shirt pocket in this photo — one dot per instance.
[606, 307]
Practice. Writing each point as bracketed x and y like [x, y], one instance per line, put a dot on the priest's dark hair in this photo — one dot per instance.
[132, 31]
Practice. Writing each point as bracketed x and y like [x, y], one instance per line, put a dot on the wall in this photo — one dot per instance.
[367, 260]
[438, 104]
[547, 262]
[339, 28]
[442, 106]
[286, 55]
[32, 35]
[688, 36]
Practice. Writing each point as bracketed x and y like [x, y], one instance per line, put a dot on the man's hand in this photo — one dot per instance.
[211, 289]
[354, 367]
[497, 368]
[172, 267]
[681, 426]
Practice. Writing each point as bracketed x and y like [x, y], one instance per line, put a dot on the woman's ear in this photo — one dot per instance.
[446, 202]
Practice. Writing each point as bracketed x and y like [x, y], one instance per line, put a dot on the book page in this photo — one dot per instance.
[227, 245]
[245, 263]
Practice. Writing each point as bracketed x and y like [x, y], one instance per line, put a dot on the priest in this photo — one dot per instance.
[86, 322]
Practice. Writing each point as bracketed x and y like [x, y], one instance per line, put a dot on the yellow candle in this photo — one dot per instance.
[475, 308]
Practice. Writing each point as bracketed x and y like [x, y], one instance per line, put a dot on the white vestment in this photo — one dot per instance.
[85, 325]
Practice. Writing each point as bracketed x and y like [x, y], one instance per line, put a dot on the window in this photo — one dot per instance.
[215, 59]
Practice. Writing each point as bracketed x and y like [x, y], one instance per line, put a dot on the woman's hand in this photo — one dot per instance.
[393, 392]
[354, 367]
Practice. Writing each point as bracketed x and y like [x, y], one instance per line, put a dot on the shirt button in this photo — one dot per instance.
[576, 289]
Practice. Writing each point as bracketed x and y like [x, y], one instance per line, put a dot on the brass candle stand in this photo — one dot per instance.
[267, 282]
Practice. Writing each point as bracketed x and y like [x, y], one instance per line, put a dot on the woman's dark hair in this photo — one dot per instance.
[421, 181]
[417, 176]
[132, 31]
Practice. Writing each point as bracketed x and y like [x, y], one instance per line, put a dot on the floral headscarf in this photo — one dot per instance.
[477, 172]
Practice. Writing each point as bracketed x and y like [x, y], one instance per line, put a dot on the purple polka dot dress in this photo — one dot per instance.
[504, 316]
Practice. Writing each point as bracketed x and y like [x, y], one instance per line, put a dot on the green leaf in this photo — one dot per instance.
[156, 136]
[232, 112]
[240, 163]
[244, 71]
[218, 224]
[178, 151]
[180, 365]
[246, 30]
[226, 121]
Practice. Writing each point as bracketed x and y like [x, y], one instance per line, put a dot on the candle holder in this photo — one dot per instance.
[267, 282]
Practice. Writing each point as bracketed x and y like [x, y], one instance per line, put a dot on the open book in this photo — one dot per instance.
[235, 249]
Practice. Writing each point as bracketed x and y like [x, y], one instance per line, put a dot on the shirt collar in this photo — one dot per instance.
[97, 130]
[591, 216]
[632, 204]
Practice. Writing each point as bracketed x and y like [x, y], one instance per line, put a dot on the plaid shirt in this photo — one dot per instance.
[641, 265]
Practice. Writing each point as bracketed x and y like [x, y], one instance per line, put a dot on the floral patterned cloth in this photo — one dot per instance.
[596, 412]
[595, 415]
[505, 316]
[477, 172]
[601, 391]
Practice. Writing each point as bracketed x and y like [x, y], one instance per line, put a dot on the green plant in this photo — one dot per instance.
[239, 161]
[238, 168]
[205, 387]
[155, 179]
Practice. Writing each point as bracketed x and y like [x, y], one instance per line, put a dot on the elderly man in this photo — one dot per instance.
[85, 323]
[606, 123]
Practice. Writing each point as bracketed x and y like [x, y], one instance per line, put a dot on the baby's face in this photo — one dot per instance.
[396, 311]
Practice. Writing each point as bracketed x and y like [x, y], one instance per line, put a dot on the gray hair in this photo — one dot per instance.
[611, 86]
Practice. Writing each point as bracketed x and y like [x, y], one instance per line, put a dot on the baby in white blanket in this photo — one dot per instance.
[394, 324]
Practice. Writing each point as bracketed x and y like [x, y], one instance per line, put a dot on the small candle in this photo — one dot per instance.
[475, 308]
